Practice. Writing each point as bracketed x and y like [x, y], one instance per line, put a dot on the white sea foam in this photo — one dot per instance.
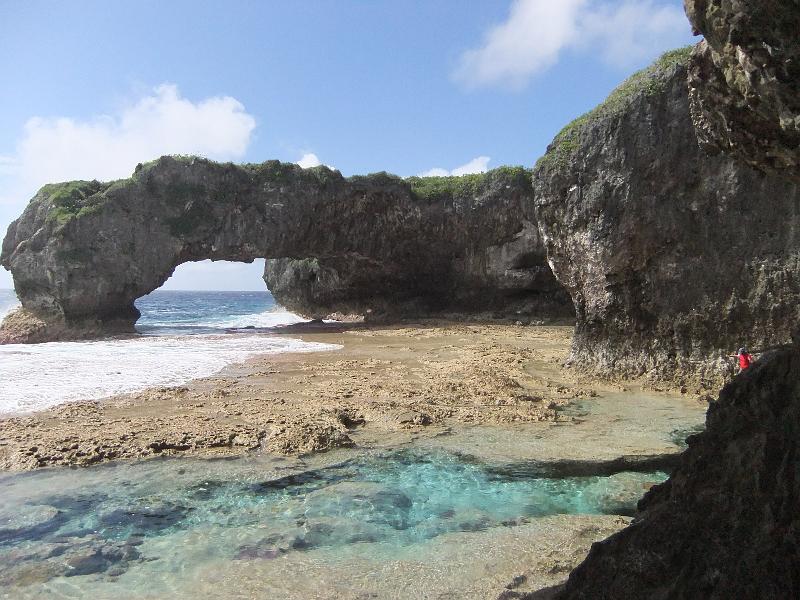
[5, 309]
[268, 318]
[38, 376]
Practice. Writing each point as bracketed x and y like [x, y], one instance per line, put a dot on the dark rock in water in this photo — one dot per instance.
[378, 245]
[88, 560]
[25, 565]
[726, 524]
[672, 257]
[745, 81]
[145, 519]
[263, 550]
[29, 523]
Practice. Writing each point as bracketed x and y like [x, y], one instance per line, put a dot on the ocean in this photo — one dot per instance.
[185, 335]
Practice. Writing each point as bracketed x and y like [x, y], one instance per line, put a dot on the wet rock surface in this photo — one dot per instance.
[673, 258]
[744, 81]
[375, 246]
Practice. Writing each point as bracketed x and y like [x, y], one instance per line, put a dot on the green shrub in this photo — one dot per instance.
[432, 189]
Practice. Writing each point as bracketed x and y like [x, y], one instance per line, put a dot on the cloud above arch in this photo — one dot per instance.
[109, 146]
[479, 164]
[538, 32]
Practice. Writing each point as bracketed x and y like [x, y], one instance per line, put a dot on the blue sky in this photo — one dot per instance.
[92, 87]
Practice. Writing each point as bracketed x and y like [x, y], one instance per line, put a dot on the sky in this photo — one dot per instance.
[90, 87]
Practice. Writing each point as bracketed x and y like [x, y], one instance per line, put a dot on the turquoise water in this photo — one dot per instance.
[117, 519]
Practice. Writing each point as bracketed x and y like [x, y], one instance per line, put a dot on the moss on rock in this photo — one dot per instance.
[649, 81]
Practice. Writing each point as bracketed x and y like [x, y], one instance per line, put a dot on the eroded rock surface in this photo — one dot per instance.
[745, 80]
[726, 524]
[82, 252]
[673, 258]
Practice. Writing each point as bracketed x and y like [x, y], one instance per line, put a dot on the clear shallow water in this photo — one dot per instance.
[186, 335]
[156, 523]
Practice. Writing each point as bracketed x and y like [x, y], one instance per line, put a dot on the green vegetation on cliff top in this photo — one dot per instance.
[459, 186]
[72, 198]
[649, 81]
[78, 198]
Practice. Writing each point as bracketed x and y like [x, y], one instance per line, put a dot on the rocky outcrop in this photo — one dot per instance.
[745, 80]
[491, 246]
[672, 257]
[82, 252]
[727, 523]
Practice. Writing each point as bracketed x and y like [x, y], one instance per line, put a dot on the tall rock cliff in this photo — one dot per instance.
[745, 80]
[672, 257]
[727, 522]
[82, 252]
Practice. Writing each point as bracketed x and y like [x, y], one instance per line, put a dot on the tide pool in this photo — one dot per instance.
[133, 529]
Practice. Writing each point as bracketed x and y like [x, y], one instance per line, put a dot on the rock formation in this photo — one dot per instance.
[82, 252]
[745, 80]
[727, 523]
[672, 257]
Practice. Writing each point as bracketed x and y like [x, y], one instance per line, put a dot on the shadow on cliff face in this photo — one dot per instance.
[516, 286]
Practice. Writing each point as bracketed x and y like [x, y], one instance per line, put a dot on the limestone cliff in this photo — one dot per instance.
[745, 80]
[672, 257]
[495, 259]
[82, 252]
[726, 525]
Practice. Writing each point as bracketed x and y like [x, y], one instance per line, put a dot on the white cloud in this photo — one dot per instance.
[529, 41]
[479, 164]
[309, 160]
[633, 31]
[537, 32]
[110, 146]
[217, 275]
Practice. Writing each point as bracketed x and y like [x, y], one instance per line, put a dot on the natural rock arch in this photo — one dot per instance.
[83, 252]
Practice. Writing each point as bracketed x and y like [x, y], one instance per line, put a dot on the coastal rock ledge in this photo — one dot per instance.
[374, 246]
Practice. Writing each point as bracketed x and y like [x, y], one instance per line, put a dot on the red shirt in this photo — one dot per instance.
[745, 360]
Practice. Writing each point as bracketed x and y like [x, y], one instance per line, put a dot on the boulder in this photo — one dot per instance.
[727, 523]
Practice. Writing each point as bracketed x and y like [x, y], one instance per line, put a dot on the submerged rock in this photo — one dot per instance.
[378, 245]
[672, 257]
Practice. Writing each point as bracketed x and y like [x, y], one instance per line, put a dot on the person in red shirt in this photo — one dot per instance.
[745, 358]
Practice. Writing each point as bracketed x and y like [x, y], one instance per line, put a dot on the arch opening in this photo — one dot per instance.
[207, 297]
